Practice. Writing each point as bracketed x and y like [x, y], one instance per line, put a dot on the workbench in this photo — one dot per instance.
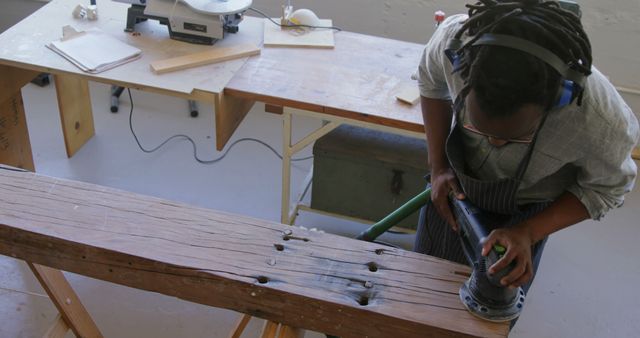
[354, 83]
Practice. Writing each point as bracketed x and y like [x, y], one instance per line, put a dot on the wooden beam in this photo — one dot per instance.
[74, 103]
[214, 55]
[66, 301]
[15, 147]
[305, 279]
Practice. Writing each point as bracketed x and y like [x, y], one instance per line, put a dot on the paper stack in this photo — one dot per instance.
[93, 51]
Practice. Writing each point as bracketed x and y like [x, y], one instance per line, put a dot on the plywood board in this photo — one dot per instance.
[214, 55]
[274, 36]
[288, 275]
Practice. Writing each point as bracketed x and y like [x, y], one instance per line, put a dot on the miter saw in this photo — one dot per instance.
[194, 21]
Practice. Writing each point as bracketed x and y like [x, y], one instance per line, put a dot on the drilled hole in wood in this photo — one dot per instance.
[379, 251]
[110, 270]
[286, 237]
[279, 247]
[84, 257]
[364, 301]
[373, 267]
[263, 280]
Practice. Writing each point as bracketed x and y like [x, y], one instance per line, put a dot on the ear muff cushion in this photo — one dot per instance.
[566, 94]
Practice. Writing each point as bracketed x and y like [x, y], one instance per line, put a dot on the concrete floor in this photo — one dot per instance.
[585, 288]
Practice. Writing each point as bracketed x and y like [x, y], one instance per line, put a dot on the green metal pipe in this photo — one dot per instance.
[395, 217]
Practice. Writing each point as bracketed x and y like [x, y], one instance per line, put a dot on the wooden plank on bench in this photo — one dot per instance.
[304, 279]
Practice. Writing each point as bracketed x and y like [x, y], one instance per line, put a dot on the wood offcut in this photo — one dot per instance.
[213, 55]
[320, 282]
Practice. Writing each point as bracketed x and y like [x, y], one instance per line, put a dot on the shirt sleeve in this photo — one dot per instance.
[609, 171]
[431, 70]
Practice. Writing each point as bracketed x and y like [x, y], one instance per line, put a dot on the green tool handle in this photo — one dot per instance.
[395, 217]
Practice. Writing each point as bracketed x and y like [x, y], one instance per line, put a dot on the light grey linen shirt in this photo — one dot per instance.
[585, 149]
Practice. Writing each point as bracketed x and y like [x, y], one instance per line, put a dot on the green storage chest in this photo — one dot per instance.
[367, 174]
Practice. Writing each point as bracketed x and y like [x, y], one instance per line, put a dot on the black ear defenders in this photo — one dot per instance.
[572, 81]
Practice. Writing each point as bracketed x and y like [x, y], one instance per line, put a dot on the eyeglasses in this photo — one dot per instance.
[526, 140]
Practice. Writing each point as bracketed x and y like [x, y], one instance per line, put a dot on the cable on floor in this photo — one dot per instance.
[193, 144]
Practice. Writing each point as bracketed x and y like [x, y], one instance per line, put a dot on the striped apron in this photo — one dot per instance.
[435, 237]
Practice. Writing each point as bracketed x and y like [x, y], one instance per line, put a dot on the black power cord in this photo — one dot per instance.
[193, 144]
[291, 25]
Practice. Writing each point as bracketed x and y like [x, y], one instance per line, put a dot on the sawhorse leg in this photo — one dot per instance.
[269, 330]
[15, 150]
[73, 314]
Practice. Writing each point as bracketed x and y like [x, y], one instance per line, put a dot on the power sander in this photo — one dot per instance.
[482, 294]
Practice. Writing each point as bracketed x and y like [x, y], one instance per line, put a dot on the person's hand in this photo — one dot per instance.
[442, 183]
[518, 242]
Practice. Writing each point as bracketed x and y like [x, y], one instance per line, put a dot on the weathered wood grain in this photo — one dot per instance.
[308, 280]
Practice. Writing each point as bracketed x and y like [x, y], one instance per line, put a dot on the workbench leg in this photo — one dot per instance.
[229, 112]
[66, 301]
[286, 169]
[15, 147]
[287, 213]
[74, 103]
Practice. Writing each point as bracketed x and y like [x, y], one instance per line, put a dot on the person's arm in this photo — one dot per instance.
[567, 210]
[437, 115]
[606, 173]
[435, 99]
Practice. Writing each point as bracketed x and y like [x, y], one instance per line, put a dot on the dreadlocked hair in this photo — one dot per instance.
[504, 79]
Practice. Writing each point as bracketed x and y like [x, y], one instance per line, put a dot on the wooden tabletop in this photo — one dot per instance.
[358, 79]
